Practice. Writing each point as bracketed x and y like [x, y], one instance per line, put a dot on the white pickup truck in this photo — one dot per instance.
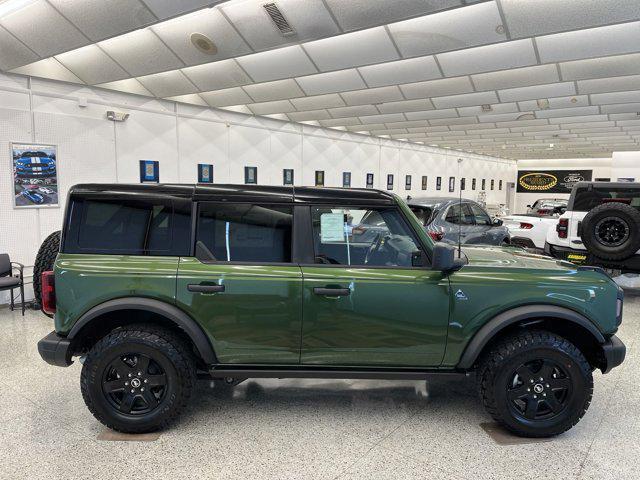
[529, 230]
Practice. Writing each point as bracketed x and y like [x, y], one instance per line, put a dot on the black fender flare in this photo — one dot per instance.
[519, 314]
[170, 312]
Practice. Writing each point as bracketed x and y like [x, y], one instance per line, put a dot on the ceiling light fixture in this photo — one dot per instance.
[10, 6]
[203, 43]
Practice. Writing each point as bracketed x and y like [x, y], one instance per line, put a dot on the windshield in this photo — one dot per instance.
[34, 154]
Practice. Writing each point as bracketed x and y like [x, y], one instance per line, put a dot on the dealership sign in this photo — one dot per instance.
[551, 181]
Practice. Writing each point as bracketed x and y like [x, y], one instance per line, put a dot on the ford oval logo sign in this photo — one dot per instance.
[537, 182]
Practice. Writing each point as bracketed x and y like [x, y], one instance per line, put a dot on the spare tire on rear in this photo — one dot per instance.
[44, 261]
[611, 231]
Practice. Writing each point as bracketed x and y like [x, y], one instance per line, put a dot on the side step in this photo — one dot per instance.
[234, 371]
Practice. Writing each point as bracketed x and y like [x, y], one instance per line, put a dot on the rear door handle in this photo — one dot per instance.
[193, 287]
[332, 292]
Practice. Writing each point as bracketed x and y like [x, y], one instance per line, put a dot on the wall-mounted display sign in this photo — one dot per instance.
[492, 183]
[463, 183]
[205, 173]
[35, 175]
[390, 181]
[346, 179]
[438, 183]
[287, 176]
[319, 178]
[452, 184]
[473, 184]
[407, 182]
[551, 181]
[424, 182]
[369, 180]
[251, 175]
[149, 171]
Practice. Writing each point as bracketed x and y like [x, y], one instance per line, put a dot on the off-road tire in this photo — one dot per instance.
[494, 375]
[619, 213]
[161, 345]
[44, 262]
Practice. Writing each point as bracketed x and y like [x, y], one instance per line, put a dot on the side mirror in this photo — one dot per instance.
[497, 222]
[444, 258]
[529, 206]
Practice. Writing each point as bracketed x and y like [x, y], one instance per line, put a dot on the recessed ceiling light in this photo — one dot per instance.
[500, 29]
[204, 44]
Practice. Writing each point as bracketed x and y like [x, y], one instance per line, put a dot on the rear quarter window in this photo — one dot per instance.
[127, 226]
[587, 198]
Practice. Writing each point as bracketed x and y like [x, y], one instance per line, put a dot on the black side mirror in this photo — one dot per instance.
[528, 206]
[497, 222]
[444, 258]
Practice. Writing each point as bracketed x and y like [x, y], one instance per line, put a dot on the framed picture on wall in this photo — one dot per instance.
[287, 176]
[424, 182]
[492, 183]
[452, 184]
[35, 175]
[319, 178]
[407, 182]
[149, 171]
[346, 179]
[369, 180]
[484, 184]
[205, 173]
[251, 175]
[463, 183]
[390, 181]
[473, 184]
[438, 183]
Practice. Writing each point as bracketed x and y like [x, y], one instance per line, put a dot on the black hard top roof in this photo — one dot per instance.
[240, 193]
[428, 201]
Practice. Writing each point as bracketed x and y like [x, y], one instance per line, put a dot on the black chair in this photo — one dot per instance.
[11, 277]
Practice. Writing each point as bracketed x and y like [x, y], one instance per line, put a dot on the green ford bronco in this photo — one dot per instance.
[156, 285]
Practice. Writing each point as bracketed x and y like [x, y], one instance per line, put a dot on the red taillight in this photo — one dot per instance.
[563, 228]
[48, 288]
[436, 235]
[526, 226]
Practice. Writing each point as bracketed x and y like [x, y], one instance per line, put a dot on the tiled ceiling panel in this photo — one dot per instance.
[309, 20]
[459, 28]
[332, 82]
[465, 100]
[218, 75]
[168, 84]
[402, 71]
[48, 68]
[318, 101]
[129, 85]
[211, 23]
[34, 24]
[99, 19]
[488, 58]
[372, 96]
[13, 53]
[517, 77]
[352, 49]
[277, 90]
[601, 67]
[437, 88]
[92, 65]
[150, 55]
[226, 97]
[537, 92]
[169, 8]
[276, 64]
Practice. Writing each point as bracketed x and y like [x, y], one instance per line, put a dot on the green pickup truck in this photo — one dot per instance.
[157, 285]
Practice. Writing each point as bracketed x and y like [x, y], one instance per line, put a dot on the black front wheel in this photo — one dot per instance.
[536, 384]
[138, 379]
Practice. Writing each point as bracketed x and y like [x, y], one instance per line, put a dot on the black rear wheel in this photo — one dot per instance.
[138, 378]
[536, 384]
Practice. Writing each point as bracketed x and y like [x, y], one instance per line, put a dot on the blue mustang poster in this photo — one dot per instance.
[35, 175]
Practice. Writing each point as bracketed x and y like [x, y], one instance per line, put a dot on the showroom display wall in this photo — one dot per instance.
[179, 136]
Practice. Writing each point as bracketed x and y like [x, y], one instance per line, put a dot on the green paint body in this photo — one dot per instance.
[396, 317]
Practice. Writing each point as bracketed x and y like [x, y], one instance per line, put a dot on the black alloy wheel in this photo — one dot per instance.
[539, 390]
[612, 231]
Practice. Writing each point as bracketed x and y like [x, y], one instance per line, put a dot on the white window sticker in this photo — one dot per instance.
[332, 227]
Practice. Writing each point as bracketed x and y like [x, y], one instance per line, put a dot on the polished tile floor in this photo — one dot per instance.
[304, 429]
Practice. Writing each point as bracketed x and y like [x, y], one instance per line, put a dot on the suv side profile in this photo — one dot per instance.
[156, 285]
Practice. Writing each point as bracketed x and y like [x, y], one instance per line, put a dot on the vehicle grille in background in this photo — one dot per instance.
[278, 19]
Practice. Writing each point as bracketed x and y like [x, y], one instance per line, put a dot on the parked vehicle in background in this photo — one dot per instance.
[548, 207]
[601, 226]
[529, 231]
[156, 285]
[447, 219]
[32, 196]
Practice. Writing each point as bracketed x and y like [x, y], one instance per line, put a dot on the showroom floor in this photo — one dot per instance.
[304, 429]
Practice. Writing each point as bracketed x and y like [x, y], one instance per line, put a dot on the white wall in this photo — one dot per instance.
[625, 165]
[94, 149]
[601, 169]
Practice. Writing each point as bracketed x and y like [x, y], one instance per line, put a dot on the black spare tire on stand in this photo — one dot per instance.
[44, 261]
[611, 231]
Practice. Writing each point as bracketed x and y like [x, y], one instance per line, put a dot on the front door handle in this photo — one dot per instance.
[193, 287]
[332, 292]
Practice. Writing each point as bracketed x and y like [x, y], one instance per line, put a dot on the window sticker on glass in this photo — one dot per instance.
[332, 227]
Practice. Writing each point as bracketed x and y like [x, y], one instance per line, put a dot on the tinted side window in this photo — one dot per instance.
[480, 215]
[454, 216]
[586, 199]
[423, 214]
[128, 227]
[362, 236]
[246, 232]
